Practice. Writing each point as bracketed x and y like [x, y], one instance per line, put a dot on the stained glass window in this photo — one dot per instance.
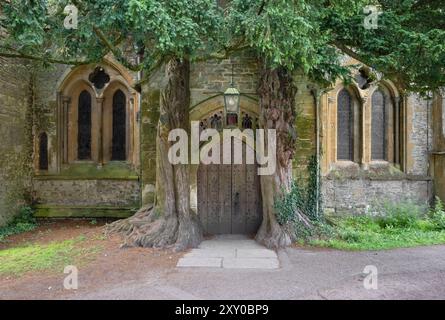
[84, 126]
[378, 126]
[43, 151]
[344, 126]
[119, 127]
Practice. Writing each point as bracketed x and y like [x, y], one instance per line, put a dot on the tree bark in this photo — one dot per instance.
[277, 97]
[170, 221]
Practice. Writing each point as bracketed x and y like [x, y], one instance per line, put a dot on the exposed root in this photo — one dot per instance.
[125, 226]
[189, 234]
[274, 236]
[147, 229]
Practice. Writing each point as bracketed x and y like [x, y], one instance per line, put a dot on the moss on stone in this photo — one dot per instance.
[306, 144]
[111, 170]
[83, 212]
[150, 118]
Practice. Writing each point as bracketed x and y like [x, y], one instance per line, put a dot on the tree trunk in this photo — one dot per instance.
[277, 95]
[170, 221]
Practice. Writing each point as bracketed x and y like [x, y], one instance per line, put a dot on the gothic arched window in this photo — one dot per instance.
[119, 127]
[43, 151]
[378, 126]
[84, 126]
[344, 126]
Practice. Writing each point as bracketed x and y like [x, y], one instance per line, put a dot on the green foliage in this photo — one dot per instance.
[407, 45]
[400, 215]
[313, 194]
[394, 226]
[289, 203]
[302, 196]
[310, 35]
[23, 222]
[437, 214]
[159, 28]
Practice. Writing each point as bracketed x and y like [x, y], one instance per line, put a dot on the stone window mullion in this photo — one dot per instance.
[100, 143]
[66, 102]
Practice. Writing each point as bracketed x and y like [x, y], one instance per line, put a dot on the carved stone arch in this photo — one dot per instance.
[116, 70]
[214, 104]
[69, 87]
[388, 85]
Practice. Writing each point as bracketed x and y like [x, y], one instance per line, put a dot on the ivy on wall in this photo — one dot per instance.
[303, 196]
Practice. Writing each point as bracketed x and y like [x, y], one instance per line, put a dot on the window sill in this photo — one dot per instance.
[374, 170]
[344, 164]
[113, 170]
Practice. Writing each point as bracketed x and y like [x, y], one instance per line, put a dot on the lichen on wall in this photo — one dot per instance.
[149, 123]
[16, 104]
[305, 124]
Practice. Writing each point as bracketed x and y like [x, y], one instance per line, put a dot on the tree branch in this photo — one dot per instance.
[224, 53]
[147, 73]
[263, 4]
[115, 51]
[43, 59]
[349, 51]
[108, 44]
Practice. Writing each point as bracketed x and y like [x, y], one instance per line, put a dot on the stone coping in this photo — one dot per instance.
[79, 178]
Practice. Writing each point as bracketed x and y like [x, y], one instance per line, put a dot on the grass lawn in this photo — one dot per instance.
[378, 233]
[44, 257]
[31, 256]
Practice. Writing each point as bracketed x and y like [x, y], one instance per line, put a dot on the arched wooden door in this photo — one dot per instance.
[229, 198]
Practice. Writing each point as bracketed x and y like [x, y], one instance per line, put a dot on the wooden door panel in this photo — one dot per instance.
[229, 199]
[252, 200]
[203, 196]
[225, 213]
[238, 198]
[213, 199]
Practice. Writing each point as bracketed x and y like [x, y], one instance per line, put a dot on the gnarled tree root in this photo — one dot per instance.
[147, 229]
[275, 236]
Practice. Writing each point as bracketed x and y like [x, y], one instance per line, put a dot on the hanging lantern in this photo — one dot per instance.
[232, 106]
[232, 100]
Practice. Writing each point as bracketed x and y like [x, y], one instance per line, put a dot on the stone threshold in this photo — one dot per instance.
[226, 253]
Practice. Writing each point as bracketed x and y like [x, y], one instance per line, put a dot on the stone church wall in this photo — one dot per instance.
[63, 193]
[15, 146]
[358, 190]
[77, 189]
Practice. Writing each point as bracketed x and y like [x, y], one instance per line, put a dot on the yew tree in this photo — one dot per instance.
[307, 36]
